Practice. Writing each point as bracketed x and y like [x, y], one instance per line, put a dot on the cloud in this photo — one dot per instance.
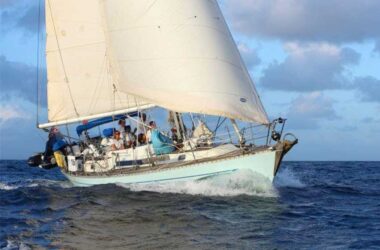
[310, 67]
[19, 80]
[377, 46]
[8, 112]
[369, 88]
[21, 14]
[20, 138]
[7, 3]
[308, 110]
[249, 55]
[334, 21]
[29, 20]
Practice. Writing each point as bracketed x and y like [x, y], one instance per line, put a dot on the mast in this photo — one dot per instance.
[237, 131]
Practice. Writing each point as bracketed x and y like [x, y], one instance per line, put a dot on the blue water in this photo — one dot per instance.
[312, 205]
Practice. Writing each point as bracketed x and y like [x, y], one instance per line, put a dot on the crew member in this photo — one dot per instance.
[161, 143]
[117, 143]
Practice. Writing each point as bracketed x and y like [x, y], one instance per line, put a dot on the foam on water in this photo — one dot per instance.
[315, 201]
[35, 183]
[4, 186]
[287, 178]
[12, 245]
[242, 182]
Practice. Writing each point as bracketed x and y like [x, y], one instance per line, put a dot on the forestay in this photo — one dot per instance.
[81, 83]
[180, 55]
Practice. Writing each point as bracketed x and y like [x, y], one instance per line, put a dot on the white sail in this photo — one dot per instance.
[81, 83]
[179, 54]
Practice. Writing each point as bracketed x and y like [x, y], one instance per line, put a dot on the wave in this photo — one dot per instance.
[241, 182]
[12, 245]
[35, 183]
[4, 186]
[287, 178]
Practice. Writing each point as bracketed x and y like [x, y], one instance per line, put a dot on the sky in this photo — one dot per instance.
[315, 62]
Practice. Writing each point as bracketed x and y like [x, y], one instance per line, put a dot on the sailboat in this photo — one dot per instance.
[117, 59]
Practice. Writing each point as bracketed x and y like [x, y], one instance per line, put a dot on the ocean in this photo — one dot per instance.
[311, 205]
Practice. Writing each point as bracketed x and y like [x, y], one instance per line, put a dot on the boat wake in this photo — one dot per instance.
[241, 182]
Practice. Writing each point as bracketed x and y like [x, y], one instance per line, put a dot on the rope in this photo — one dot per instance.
[98, 90]
[61, 57]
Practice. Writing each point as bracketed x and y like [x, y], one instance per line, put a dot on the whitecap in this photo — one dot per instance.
[12, 245]
[35, 183]
[4, 186]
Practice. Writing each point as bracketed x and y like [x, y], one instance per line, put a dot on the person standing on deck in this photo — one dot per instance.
[161, 143]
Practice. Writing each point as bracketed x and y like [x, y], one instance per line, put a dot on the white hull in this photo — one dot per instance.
[262, 162]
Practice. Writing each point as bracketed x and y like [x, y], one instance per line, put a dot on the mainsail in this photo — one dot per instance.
[179, 54]
[81, 83]
[112, 56]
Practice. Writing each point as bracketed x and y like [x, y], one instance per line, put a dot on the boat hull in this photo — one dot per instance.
[264, 163]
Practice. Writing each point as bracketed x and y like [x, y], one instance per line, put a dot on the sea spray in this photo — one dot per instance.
[287, 178]
[241, 182]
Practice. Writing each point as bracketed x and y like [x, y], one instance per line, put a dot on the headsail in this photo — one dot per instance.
[180, 55]
[81, 83]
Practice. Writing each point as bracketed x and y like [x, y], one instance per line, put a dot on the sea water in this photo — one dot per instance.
[311, 205]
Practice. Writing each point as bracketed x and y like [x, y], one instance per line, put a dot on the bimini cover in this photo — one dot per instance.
[101, 121]
[108, 132]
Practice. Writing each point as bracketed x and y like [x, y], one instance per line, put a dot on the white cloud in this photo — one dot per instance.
[308, 110]
[377, 46]
[335, 21]
[310, 67]
[8, 112]
[369, 88]
[249, 55]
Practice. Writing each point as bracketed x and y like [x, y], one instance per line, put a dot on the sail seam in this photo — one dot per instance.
[61, 57]
[186, 58]
[76, 46]
[96, 92]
